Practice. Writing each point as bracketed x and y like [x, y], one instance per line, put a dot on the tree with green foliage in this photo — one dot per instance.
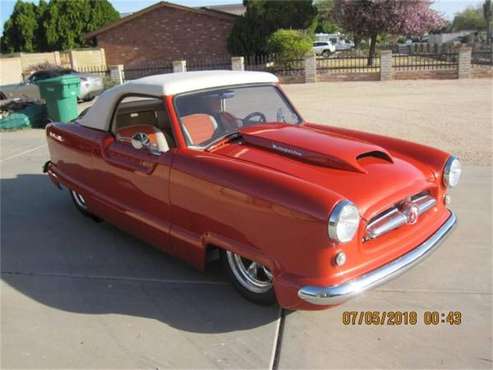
[40, 37]
[289, 44]
[488, 15]
[68, 21]
[470, 19]
[21, 29]
[57, 25]
[325, 23]
[263, 17]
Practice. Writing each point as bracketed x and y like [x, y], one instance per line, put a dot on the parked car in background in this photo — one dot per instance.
[324, 48]
[340, 41]
[90, 85]
[344, 44]
[220, 164]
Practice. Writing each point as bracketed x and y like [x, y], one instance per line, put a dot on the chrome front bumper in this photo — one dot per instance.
[332, 295]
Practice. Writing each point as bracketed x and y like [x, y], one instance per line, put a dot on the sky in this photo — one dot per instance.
[446, 7]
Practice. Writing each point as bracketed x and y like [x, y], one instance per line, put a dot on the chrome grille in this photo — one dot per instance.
[406, 212]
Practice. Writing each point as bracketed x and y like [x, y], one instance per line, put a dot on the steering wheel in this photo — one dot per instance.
[249, 119]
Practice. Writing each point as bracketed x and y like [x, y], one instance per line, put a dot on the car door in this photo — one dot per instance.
[135, 182]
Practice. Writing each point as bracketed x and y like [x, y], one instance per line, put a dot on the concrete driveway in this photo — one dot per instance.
[78, 294]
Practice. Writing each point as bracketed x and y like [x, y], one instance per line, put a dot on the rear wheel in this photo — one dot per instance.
[80, 204]
[251, 279]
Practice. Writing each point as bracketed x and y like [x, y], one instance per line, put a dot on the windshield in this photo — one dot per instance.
[208, 117]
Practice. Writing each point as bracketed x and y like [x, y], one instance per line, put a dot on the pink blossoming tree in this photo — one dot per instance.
[370, 18]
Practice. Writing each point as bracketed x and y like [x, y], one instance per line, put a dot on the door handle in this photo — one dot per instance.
[127, 161]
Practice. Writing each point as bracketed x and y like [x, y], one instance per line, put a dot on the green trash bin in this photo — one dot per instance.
[60, 94]
[32, 115]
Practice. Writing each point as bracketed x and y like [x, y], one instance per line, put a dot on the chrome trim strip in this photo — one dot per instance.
[425, 203]
[331, 295]
[394, 218]
[386, 223]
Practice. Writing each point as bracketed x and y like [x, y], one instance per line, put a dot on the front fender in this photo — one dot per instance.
[264, 214]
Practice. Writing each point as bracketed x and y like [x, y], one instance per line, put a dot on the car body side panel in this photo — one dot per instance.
[132, 200]
[72, 149]
[219, 202]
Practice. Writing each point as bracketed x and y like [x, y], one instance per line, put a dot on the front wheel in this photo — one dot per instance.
[251, 279]
[326, 53]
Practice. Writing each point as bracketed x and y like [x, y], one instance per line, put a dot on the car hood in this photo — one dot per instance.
[362, 172]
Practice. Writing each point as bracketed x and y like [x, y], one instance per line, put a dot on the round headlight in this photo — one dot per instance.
[452, 172]
[343, 222]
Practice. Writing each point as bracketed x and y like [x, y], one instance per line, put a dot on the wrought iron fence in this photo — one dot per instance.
[273, 64]
[482, 57]
[203, 64]
[424, 49]
[259, 62]
[348, 63]
[134, 72]
[196, 64]
[420, 62]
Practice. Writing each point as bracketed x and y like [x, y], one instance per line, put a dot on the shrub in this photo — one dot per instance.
[289, 44]
[251, 31]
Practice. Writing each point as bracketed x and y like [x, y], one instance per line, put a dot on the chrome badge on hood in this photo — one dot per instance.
[287, 150]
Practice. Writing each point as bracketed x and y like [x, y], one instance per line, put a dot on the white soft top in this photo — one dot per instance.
[99, 115]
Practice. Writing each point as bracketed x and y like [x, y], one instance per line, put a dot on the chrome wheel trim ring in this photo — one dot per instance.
[79, 199]
[247, 273]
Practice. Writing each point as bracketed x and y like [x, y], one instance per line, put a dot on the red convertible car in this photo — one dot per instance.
[220, 164]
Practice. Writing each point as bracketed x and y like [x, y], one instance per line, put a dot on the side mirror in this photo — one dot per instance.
[140, 140]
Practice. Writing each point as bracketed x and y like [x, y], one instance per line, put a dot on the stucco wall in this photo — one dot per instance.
[88, 58]
[14, 66]
[29, 60]
[10, 71]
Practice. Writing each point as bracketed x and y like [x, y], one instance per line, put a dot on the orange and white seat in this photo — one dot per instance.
[199, 127]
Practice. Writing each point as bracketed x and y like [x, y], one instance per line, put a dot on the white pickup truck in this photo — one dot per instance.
[324, 48]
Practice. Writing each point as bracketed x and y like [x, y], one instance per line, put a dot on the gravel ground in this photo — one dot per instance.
[453, 115]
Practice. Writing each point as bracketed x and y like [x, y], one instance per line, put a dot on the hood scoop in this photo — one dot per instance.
[314, 146]
[374, 156]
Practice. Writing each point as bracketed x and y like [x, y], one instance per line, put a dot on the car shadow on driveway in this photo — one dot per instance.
[55, 256]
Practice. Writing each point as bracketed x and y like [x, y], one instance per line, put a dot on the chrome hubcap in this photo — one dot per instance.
[251, 275]
[79, 199]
